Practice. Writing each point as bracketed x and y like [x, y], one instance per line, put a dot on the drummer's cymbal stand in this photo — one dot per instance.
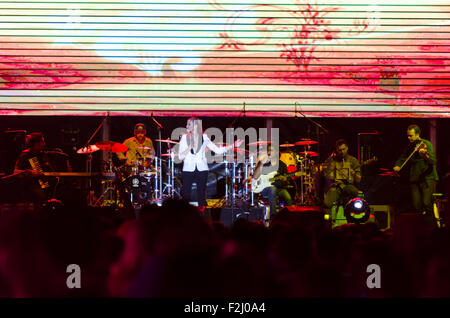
[169, 187]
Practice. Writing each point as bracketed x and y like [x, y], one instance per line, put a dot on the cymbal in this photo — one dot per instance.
[111, 146]
[306, 142]
[287, 145]
[387, 173]
[145, 148]
[87, 150]
[241, 151]
[259, 143]
[167, 141]
[309, 153]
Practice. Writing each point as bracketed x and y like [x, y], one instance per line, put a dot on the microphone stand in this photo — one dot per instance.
[318, 126]
[311, 120]
[233, 170]
[242, 113]
[89, 157]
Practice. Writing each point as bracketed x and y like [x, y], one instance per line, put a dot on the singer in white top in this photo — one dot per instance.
[192, 151]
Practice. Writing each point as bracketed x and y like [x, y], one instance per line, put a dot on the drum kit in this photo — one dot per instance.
[143, 178]
[299, 160]
[301, 180]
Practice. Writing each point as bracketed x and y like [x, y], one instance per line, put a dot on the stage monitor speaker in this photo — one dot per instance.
[229, 215]
[382, 214]
[310, 218]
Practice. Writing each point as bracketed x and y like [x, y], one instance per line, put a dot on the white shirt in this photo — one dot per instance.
[197, 160]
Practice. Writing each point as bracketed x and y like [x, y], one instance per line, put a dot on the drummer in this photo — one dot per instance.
[140, 147]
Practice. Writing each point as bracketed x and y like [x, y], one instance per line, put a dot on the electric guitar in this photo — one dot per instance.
[266, 180]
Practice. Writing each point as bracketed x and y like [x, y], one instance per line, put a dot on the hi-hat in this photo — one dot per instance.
[241, 151]
[287, 145]
[111, 146]
[309, 153]
[167, 141]
[306, 142]
[87, 150]
[259, 143]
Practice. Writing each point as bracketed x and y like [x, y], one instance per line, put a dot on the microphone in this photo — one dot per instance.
[156, 122]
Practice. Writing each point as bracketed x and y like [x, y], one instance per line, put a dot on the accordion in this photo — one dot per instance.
[35, 165]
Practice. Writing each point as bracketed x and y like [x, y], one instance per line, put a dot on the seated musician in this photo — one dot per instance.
[31, 163]
[266, 170]
[344, 171]
[140, 147]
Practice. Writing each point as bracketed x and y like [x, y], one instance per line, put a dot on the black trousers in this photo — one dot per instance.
[421, 193]
[200, 178]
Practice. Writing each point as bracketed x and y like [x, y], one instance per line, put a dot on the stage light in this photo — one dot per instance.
[357, 211]
[358, 204]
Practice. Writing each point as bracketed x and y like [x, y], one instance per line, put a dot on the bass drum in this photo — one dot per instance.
[288, 157]
[140, 189]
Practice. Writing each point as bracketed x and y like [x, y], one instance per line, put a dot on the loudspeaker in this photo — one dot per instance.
[382, 214]
[229, 215]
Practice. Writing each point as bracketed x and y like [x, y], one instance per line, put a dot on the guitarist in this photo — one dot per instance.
[422, 171]
[344, 171]
[266, 163]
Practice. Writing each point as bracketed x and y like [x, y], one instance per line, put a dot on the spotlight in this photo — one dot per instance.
[358, 204]
[357, 211]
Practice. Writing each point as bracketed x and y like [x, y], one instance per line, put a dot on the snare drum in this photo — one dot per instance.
[136, 167]
[148, 173]
[142, 167]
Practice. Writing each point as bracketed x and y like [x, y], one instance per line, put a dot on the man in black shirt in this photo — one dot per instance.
[422, 171]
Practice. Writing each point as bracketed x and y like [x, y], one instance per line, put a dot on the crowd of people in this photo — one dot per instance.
[174, 251]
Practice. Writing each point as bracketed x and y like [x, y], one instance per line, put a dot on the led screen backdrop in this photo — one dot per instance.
[324, 58]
